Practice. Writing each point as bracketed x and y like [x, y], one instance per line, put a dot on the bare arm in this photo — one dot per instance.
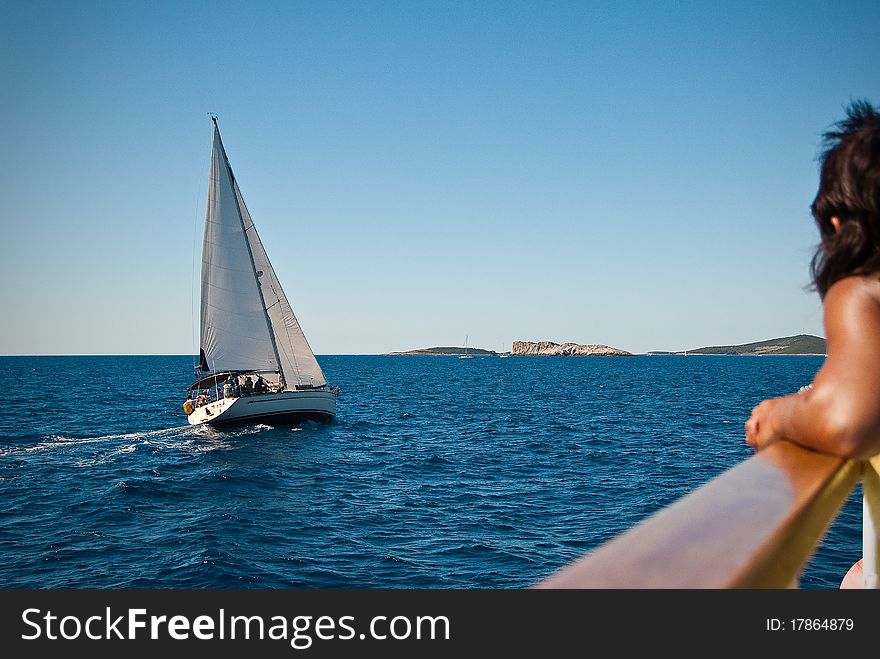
[840, 413]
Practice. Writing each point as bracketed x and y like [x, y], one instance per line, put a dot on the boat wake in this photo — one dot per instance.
[201, 438]
[52, 442]
[144, 436]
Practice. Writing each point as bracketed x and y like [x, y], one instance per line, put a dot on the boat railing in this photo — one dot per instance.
[757, 525]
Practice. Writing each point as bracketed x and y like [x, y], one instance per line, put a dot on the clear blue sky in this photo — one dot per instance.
[636, 174]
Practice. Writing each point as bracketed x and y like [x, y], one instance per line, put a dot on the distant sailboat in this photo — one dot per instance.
[466, 355]
[255, 363]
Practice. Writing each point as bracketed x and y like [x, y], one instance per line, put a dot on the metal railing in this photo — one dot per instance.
[754, 526]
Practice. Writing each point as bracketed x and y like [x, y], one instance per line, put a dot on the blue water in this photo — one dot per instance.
[437, 472]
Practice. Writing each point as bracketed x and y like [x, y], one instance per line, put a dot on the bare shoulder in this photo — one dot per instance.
[852, 305]
[857, 290]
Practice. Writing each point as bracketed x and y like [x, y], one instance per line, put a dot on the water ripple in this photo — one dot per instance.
[436, 474]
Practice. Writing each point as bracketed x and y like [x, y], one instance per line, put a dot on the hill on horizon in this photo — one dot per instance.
[800, 344]
[446, 350]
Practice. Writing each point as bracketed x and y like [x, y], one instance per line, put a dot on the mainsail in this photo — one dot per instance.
[247, 324]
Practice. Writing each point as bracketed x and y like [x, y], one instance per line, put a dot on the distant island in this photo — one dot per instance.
[550, 349]
[802, 344]
[529, 349]
[449, 350]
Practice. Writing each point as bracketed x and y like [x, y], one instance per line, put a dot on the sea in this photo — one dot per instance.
[438, 472]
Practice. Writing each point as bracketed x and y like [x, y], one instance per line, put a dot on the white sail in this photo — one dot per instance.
[246, 321]
[295, 357]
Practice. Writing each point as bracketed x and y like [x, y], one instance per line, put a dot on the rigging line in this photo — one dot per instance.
[192, 282]
[196, 351]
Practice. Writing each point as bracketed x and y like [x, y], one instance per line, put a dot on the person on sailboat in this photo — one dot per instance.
[839, 412]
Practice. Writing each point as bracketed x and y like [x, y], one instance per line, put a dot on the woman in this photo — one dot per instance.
[839, 412]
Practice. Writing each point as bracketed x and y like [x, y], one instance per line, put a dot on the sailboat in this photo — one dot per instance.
[466, 355]
[255, 363]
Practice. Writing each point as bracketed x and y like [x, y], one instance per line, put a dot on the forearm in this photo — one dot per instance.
[796, 418]
[826, 421]
[840, 412]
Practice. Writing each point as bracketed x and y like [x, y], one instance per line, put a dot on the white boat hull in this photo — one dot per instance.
[282, 407]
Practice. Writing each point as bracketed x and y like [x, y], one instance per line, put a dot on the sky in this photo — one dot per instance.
[634, 174]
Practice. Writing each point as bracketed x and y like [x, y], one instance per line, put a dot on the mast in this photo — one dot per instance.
[281, 378]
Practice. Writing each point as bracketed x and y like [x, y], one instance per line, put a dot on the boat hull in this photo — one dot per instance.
[283, 407]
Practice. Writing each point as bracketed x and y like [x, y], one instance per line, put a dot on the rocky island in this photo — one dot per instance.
[550, 349]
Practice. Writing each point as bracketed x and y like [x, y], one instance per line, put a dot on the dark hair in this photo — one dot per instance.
[849, 189]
